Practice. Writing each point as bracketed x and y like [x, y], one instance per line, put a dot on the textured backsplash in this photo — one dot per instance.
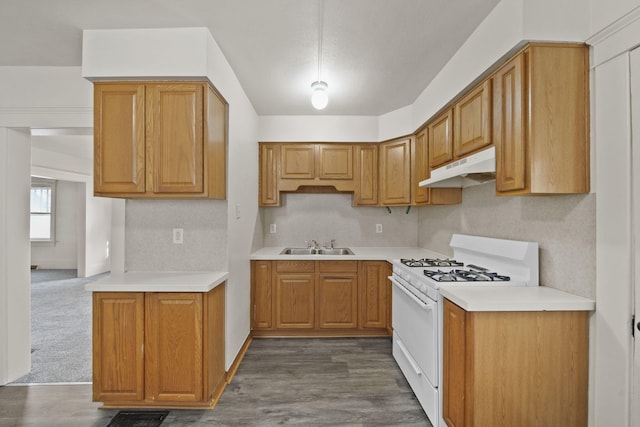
[331, 216]
[563, 226]
[149, 241]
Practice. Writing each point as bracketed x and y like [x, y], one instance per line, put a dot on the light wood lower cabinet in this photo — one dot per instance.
[515, 368]
[320, 298]
[158, 349]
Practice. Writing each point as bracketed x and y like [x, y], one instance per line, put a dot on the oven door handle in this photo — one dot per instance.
[424, 306]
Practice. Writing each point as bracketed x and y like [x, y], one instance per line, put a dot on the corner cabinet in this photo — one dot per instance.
[541, 121]
[159, 140]
[515, 368]
[158, 349]
[320, 298]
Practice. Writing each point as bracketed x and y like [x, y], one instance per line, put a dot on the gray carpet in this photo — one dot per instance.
[60, 328]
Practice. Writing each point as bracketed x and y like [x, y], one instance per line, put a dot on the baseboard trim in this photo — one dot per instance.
[236, 363]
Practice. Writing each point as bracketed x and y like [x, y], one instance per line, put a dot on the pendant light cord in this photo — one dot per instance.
[320, 25]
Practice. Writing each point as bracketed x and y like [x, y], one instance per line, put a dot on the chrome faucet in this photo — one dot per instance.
[312, 244]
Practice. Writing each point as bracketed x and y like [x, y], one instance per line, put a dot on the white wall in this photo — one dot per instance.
[15, 308]
[318, 128]
[64, 252]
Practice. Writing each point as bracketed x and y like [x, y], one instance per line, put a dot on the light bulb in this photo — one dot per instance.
[319, 96]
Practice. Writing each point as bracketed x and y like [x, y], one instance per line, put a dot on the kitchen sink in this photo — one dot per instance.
[314, 251]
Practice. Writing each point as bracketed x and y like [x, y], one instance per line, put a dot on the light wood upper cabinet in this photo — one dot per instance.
[298, 161]
[441, 139]
[159, 140]
[541, 121]
[395, 172]
[158, 349]
[366, 166]
[509, 125]
[175, 117]
[119, 139]
[501, 368]
[335, 161]
[268, 177]
[472, 121]
[420, 168]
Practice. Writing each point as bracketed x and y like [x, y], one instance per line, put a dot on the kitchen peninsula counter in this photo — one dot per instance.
[159, 281]
[533, 298]
[359, 254]
[159, 339]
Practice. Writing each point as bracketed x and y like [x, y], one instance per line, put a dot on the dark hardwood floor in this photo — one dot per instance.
[306, 382]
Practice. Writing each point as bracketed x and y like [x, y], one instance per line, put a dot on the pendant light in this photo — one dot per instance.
[319, 95]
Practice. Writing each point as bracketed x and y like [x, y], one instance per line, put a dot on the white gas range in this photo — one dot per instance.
[418, 306]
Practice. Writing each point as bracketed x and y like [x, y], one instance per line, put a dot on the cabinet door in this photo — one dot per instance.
[395, 172]
[297, 161]
[295, 301]
[367, 175]
[118, 339]
[420, 169]
[472, 121]
[509, 113]
[454, 374]
[372, 277]
[335, 161]
[262, 294]
[119, 138]
[268, 186]
[441, 140]
[337, 301]
[175, 137]
[174, 347]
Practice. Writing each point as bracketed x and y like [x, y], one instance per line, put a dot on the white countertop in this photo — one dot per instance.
[359, 253]
[534, 298]
[159, 281]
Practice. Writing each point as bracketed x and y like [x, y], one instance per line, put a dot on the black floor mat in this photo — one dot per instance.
[138, 419]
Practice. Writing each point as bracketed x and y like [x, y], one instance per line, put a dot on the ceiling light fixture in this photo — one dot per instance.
[319, 95]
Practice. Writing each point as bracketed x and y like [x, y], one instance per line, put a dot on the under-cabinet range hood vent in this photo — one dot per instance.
[472, 170]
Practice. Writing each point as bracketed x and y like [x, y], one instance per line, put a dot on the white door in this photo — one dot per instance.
[635, 187]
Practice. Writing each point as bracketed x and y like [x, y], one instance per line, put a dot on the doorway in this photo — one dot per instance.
[60, 307]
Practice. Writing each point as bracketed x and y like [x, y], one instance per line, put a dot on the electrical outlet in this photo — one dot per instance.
[178, 236]
[378, 228]
[237, 211]
[272, 228]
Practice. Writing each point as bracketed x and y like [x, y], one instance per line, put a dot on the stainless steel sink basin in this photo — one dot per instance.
[335, 251]
[298, 251]
[313, 251]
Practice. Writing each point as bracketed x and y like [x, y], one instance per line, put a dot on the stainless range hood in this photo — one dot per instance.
[472, 170]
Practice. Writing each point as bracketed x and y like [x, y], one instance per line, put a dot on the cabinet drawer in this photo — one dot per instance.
[338, 266]
[296, 266]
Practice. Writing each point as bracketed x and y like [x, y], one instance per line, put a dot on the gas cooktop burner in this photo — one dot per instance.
[431, 262]
[466, 275]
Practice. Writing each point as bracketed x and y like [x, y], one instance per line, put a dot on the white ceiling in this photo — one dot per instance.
[377, 56]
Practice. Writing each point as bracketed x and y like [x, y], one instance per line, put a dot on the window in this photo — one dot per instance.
[43, 196]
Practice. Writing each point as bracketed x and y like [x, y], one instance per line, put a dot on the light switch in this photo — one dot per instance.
[272, 228]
